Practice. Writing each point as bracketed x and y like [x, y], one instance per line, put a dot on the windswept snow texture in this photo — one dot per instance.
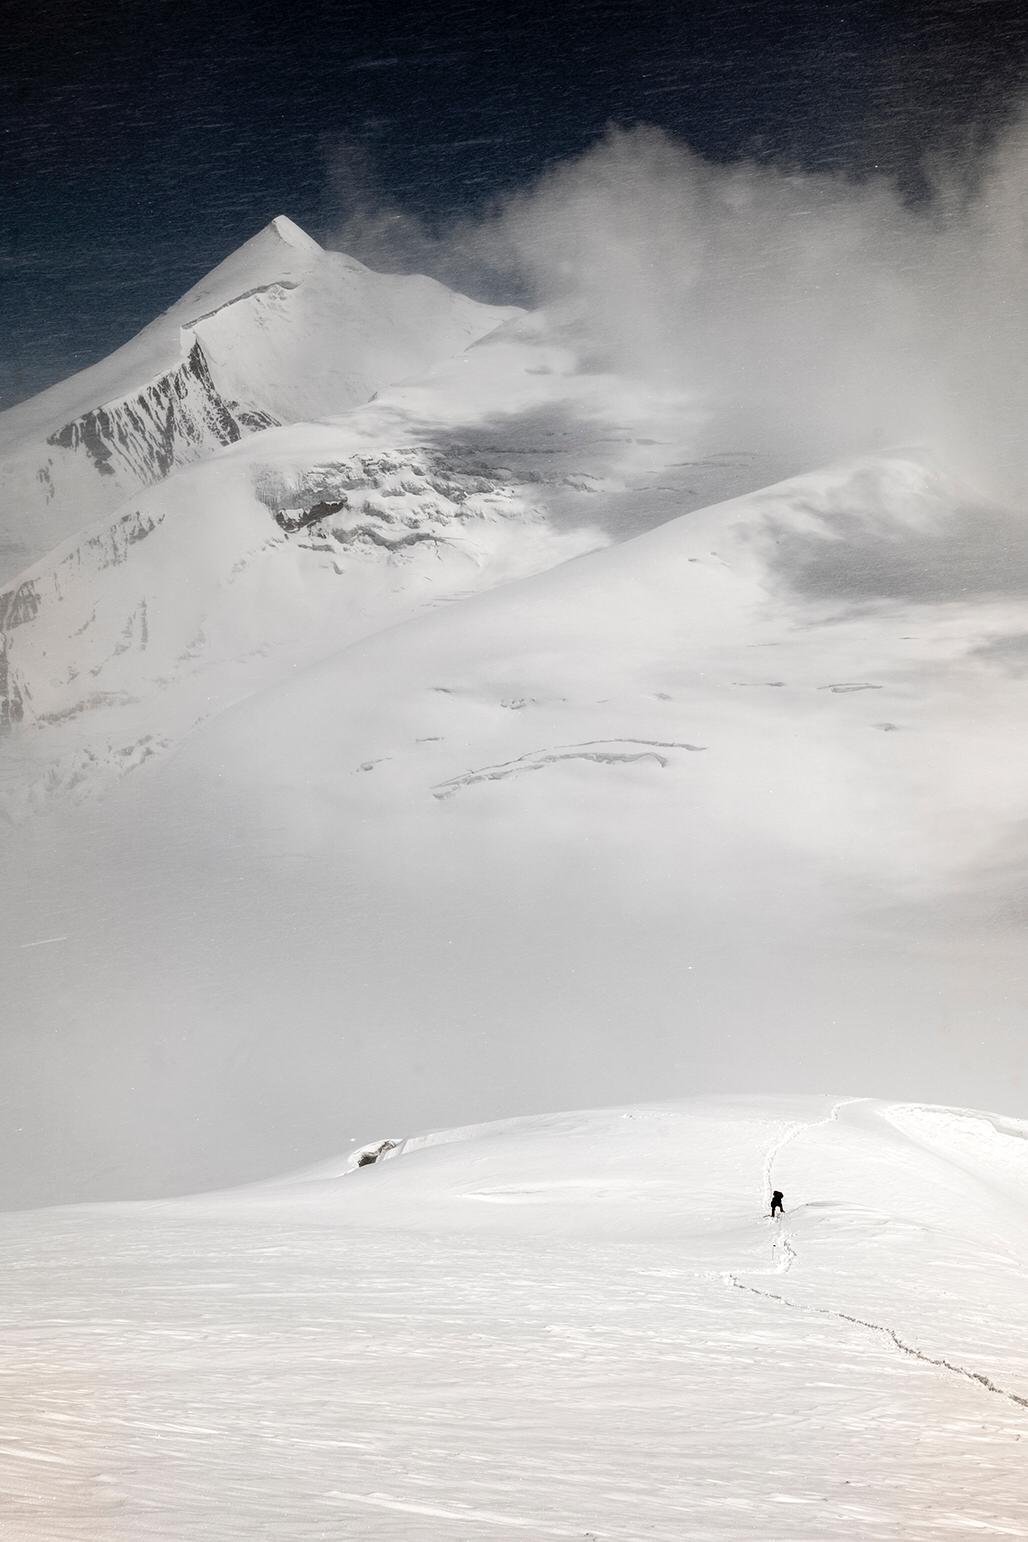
[574, 1326]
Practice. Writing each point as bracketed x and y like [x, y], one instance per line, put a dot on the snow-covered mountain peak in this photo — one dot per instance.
[279, 332]
[289, 231]
[281, 253]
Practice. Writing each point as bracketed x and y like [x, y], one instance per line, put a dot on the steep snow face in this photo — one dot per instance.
[227, 577]
[682, 813]
[507, 459]
[280, 254]
[279, 332]
[581, 1325]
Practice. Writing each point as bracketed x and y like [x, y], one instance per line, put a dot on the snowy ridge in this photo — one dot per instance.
[280, 332]
[280, 253]
[178, 418]
[963, 1171]
[303, 557]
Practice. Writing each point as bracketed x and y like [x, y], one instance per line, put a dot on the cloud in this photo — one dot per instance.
[376, 229]
[813, 314]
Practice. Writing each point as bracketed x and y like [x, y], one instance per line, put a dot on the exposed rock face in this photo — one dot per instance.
[178, 418]
[291, 523]
[18, 606]
[281, 332]
[11, 704]
[367, 1156]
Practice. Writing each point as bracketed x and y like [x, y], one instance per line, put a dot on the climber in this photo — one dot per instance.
[776, 1203]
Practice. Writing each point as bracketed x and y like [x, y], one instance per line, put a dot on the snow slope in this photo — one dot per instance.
[205, 576]
[576, 1326]
[279, 333]
[736, 800]
[505, 459]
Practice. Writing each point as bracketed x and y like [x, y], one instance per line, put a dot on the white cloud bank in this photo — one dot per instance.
[816, 314]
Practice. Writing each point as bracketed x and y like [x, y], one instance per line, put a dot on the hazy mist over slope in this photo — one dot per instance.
[820, 314]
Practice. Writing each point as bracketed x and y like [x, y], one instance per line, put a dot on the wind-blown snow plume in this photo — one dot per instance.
[816, 314]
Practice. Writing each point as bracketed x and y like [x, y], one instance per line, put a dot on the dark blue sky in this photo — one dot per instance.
[143, 139]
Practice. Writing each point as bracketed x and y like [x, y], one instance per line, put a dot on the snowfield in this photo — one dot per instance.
[570, 1326]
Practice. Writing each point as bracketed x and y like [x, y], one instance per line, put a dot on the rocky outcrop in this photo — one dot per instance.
[291, 523]
[367, 1156]
[12, 708]
[177, 418]
[392, 499]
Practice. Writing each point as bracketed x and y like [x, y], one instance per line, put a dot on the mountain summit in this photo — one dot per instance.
[280, 331]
